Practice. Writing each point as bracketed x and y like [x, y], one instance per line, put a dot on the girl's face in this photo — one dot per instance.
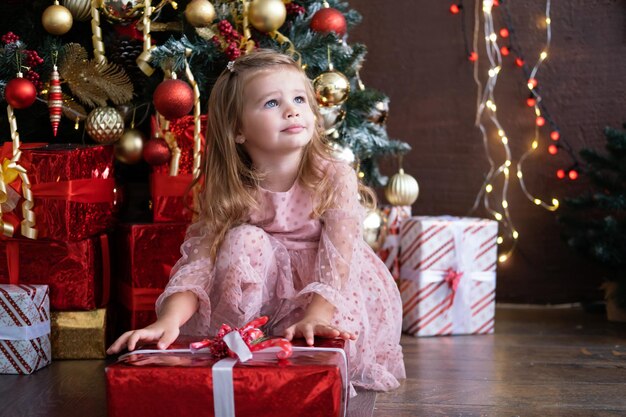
[277, 118]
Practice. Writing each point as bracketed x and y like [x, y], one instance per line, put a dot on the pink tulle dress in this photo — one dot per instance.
[273, 264]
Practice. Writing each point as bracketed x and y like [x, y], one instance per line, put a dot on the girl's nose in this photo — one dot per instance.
[292, 112]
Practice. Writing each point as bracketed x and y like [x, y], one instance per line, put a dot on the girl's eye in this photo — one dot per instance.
[270, 104]
[300, 100]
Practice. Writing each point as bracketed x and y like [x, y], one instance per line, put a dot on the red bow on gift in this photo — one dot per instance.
[452, 278]
[251, 335]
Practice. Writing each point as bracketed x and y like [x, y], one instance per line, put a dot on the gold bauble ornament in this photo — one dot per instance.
[332, 117]
[121, 11]
[402, 189]
[80, 9]
[129, 147]
[372, 228]
[105, 125]
[56, 19]
[200, 13]
[331, 88]
[267, 15]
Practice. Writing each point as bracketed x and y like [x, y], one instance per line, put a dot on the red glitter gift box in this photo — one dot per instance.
[76, 272]
[73, 189]
[312, 382]
[171, 198]
[145, 255]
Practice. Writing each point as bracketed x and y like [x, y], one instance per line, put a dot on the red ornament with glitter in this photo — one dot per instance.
[55, 100]
[173, 99]
[20, 93]
[328, 20]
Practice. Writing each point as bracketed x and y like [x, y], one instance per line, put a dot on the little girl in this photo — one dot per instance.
[279, 231]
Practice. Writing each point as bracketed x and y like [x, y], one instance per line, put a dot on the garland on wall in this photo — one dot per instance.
[500, 43]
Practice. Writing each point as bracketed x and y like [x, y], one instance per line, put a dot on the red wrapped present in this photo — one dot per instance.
[145, 256]
[312, 382]
[78, 273]
[73, 189]
[24, 328]
[448, 275]
[172, 199]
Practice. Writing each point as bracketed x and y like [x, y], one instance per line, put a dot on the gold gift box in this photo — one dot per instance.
[78, 334]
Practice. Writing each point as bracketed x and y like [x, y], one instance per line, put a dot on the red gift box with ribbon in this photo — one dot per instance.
[311, 381]
[145, 255]
[78, 273]
[172, 199]
[73, 189]
[448, 275]
[24, 328]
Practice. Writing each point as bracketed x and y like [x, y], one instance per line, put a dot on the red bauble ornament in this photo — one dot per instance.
[328, 20]
[173, 99]
[20, 93]
[156, 152]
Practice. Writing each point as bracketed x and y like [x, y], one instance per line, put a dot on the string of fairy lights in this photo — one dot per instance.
[494, 191]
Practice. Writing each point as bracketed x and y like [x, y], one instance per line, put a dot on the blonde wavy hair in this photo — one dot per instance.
[229, 186]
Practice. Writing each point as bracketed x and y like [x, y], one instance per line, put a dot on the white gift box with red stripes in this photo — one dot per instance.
[448, 275]
[24, 328]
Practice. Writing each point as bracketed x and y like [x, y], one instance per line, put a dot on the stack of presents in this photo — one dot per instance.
[72, 278]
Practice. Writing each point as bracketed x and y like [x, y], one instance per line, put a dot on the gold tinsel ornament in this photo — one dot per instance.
[105, 125]
[56, 19]
[93, 82]
[80, 9]
[402, 189]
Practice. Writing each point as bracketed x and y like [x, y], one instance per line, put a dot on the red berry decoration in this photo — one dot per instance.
[173, 99]
[20, 93]
[328, 20]
[156, 152]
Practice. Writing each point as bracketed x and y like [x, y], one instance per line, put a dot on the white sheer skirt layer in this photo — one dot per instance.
[255, 274]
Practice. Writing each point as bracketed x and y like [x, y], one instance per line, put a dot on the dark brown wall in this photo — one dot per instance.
[416, 56]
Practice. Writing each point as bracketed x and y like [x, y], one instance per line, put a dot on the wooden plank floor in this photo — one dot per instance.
[540, 362]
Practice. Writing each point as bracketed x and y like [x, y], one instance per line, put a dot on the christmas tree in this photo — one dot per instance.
[595, 222]
[125, 60]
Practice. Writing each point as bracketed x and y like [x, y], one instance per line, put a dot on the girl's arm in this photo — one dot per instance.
[176, 310]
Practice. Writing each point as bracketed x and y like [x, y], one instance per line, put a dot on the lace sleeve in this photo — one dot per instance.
[193, 272]
[341, 233]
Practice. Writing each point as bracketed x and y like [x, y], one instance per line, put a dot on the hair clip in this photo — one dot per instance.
[231, 66]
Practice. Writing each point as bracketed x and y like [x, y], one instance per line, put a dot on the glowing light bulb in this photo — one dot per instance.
[515, 234]
[493, 37]
[489, 188]
[505, 140]
[535, 144]
[502, 258]
[555, 202]
[543, 55]
[548, 20]
[507, 163]
[506, 171]
[499, 240]
[537, 201]
[500, 132]
[498, 216]
[505, 204]
[504, 32]
[519, 174]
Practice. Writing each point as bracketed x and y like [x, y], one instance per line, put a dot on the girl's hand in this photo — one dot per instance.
[163, 332]
[311, 326]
